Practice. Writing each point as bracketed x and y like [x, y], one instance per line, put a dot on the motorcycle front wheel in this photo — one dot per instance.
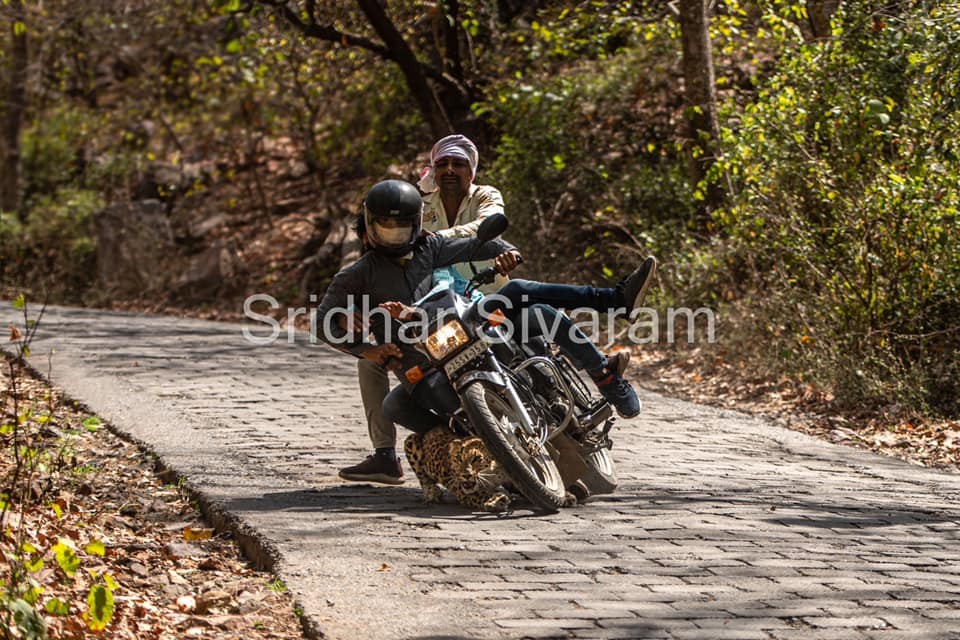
[534, 474]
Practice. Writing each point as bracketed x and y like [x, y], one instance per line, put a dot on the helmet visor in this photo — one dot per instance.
[392, 234]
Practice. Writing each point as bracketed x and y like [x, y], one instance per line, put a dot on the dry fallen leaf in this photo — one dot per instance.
[187, 604]
[191, 534]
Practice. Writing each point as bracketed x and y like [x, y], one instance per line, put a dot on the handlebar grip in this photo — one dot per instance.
[486, 276]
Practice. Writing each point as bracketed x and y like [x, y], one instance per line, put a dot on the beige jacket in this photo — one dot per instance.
[481, 201]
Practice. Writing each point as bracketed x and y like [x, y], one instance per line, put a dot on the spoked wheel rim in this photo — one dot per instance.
[539, 462]
[602, 462]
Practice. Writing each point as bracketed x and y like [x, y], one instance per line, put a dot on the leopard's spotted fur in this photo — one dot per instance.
[461, 465]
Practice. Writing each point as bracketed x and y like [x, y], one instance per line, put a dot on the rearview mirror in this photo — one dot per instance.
[492, 226]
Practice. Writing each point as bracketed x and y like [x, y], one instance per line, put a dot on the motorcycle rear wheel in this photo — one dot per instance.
[601, 475]
[535, 476]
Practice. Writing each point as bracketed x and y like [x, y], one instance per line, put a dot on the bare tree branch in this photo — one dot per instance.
[328, 33]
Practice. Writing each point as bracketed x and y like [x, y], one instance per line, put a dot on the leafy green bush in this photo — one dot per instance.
[55, 251]
[848, 215]
[587, 165]
[53, 150]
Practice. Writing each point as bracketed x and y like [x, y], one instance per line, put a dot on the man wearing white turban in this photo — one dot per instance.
[453, 207]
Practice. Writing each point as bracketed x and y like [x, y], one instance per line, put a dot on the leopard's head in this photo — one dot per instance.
[472, 461]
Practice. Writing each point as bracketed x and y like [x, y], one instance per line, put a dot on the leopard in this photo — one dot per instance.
[462, 465]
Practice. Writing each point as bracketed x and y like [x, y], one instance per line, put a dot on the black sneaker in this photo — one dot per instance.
[635, 285]
[375, 469]
[619, 393]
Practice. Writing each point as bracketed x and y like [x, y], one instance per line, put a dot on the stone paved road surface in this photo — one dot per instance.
[724, 526]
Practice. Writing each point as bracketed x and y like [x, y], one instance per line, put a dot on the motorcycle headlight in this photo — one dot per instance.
[446, 340]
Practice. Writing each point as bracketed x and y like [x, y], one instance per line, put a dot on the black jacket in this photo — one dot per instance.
[374, 279]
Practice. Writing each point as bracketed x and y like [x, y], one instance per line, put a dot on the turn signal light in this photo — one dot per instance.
[496, 318]
[414, 374]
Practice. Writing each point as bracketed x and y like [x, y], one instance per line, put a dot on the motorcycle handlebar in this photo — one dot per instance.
[486, 276]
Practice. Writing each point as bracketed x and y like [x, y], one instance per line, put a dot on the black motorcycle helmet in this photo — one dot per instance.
[393, 213]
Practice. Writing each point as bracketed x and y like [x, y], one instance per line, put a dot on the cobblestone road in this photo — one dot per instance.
[724, 526]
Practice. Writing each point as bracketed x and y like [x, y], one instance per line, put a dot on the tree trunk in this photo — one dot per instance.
[412, 71]
[16, 100]
[451, 38]
[820, 12]
[699, 94]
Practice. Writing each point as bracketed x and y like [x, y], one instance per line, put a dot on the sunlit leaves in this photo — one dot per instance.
[100, 607]
[844, 156]
[66, 557]
[57, 607]
[95, 547]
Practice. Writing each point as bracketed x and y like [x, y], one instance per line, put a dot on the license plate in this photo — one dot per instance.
[463, 358]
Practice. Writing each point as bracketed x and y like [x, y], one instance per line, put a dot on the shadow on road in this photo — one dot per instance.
[364, 498]
[788, 509]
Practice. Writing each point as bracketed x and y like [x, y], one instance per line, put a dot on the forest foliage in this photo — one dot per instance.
[830, 257]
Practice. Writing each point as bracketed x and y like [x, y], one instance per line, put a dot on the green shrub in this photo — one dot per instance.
[53, 150]
[848, 214]
[587, 165]
[55, 251]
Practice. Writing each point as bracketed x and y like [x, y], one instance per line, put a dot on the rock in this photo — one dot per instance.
[208, 273]
[174, 590]
[134, 240]
[183, 550]
[187, 604]
[248, 602]
[176, 578]
[214, 599]
[203, 226]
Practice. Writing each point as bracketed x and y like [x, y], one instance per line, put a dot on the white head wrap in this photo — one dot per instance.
[452, 146]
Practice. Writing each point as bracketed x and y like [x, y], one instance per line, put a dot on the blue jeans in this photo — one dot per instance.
[532, 307]
[424, 406]
[526, 293]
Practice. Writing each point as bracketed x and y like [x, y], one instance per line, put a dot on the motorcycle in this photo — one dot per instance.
[525, 400]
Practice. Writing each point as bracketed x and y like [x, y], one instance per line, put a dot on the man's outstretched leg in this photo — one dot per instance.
[626, 297]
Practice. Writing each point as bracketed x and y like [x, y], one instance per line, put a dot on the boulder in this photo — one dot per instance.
[168, 181]
[134, 240]
[211, 272]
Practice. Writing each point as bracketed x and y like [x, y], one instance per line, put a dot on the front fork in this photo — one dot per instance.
[533, 432]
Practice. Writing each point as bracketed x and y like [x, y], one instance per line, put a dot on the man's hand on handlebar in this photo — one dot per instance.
[507, 261]
[387, 355]
[398, 310]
